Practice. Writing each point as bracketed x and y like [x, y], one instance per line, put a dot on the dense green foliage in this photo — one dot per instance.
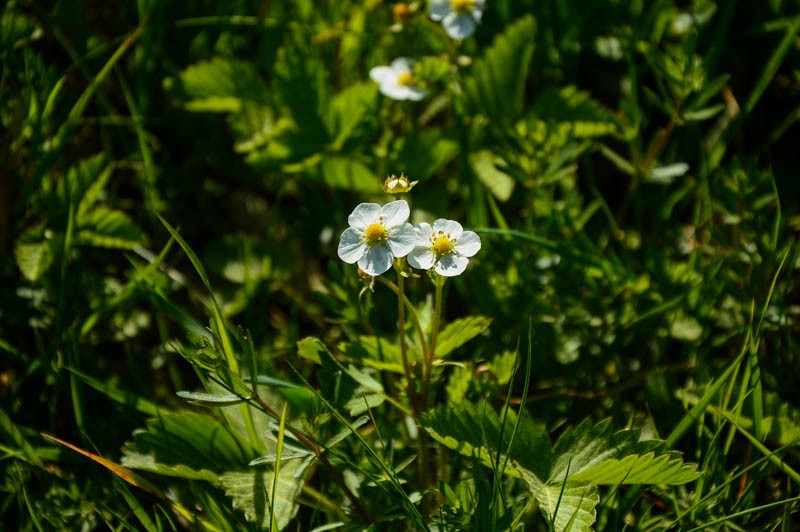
[182, 347]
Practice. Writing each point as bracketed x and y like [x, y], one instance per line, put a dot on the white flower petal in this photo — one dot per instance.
[395, 213]
[451, 265]
[439, 8]
[377, 260]
[421, 258]
[424, 232]
[402, 240]
[363, 215]
[415, 94]
[477, 13]
[450, 227]
[401, 65]
[382, 74]
[394, 91]
[458, 26]
[468, 244]
[351, 249]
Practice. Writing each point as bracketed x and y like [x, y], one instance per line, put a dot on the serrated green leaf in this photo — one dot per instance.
[500, 184]
[210, 399]
[503, 366]
[587, 445]
[250, 492]
[583, 457]
[423, 153]
[569, 106]
[639, 469]
[299, 396]
[363, 402]
[459, 332]
[338, 386]
[479, 430]
[219, 85]
[312, 349]
[87, 181]
[35, 252]
[103, 227]
[571, 508]
[302, 81]
[496, 86]
[348, 174]
[347, 110]
[188, 445]
[149, 462]
[253, 125]
[378, 353]
[458, 384]
[365, 379]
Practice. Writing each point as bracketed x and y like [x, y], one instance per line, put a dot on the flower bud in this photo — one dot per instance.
[398, 185]
[401, 12]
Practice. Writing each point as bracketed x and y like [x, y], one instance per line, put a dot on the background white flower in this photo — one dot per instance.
[445, 247]
[458, 17]
[397, 81]
[376, 236]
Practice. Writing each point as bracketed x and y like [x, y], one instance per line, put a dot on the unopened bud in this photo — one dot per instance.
[398, 185]
[401, 12]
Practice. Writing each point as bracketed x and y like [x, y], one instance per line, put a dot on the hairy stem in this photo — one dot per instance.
[412, 313]
[431, 355]
[401, 323]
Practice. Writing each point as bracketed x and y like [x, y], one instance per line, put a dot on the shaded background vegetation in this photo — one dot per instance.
[637, 162]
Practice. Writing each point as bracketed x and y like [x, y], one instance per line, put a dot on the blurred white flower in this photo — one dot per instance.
[376, 236]
[396, 81]
[459, 17]
[445, 247]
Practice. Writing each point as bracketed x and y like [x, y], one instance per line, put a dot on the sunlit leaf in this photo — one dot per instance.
[459, 332]
[500, 184]
[496, 83]
[250, 491]
[108, 228]
[188, 445]
[219, 85]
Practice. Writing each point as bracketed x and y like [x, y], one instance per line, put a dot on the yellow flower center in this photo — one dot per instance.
[405, 78]
[442, 244]
[375, 234]
[464, 7]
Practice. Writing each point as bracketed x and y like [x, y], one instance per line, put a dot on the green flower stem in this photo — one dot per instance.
[412, 313]
[438, 281]
[399, 289]
[401, 323]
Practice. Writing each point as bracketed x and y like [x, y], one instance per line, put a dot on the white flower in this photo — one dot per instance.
[445, 247]
[376, 236]
[458, 17]
[396, 81]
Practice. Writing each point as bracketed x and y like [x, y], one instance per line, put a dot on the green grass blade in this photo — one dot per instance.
[278, 451]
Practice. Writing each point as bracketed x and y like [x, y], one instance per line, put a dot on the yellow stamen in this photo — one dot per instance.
[464, 7]
[405, 79]
[375, 234]
[442, 244]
